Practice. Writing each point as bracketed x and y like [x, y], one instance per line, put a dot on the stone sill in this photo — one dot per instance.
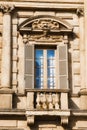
[48, 113]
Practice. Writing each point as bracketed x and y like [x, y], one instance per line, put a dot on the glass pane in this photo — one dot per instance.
[39, 82]
[38, 63]
[39, 53]
[39, 72]
[51, 83]
[51, 62]
[51, 72]
[39, 68]
[50, 53]
[51, 68]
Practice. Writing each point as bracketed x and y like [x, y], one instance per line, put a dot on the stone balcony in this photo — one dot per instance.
[48, 103]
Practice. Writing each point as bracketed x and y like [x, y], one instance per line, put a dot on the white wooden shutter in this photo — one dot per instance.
[63, 66]
[29, 66]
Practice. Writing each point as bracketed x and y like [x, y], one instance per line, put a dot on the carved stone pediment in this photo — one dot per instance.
[44, 23]
[44, 28]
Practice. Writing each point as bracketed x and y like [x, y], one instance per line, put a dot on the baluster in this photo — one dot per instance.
[56, 101]
[50, 105]
[38, 106]
[53, 97]
[43, 101]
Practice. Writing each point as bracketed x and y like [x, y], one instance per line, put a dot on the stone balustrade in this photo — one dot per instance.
[47, 99]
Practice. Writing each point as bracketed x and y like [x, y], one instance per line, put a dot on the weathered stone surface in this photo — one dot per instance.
[55, 103]
[8, 123]
[5, 101]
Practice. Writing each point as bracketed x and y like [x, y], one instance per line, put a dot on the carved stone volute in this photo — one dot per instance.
[7, 8]
[30, 120]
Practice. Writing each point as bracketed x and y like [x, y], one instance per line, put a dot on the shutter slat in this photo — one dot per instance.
[63, 66]
[29, 66]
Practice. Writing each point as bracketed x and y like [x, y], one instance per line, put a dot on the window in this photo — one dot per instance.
[46, 66]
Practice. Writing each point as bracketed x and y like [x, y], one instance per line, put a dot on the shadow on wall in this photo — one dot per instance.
[72, 105]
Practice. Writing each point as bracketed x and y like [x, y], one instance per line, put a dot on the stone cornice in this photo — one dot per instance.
[15, 112]
[78, 113]
[47, 5]
[6, 91]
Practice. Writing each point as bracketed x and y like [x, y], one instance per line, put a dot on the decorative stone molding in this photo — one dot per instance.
[25, 38]
[30, 120]
[45, 24]
[80, 12]
[65, 38]
[43, 37]
[46, 37]
[44, 28]
[6, 8]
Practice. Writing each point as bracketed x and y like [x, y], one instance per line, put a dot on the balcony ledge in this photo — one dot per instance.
[48, 90]
[48, 113]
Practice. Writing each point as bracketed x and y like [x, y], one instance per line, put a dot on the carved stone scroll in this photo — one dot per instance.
[64, 120]
[30, 120]
[7, 8]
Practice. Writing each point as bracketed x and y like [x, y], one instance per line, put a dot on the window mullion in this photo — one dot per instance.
[45, 69]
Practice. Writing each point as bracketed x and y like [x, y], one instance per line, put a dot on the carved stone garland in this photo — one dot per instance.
[45, 24]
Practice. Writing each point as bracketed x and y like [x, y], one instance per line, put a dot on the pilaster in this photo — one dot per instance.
[6, 92]
[85, 35]
[83, 91]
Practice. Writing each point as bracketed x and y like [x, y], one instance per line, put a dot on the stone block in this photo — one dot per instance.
[76, 44]
[24, 14]
[83, 99]
[44, 13]
[8, 123]
[22, 123]
[76, 68]
[5, 101]
[21, 103]
[64, 100]
[77, 80]
[76, 56]
[30, 100]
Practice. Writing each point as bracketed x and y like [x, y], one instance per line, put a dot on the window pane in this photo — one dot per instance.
[51, 83]
[45, 60]
[39, 72]
[50, 53]
[51, 72]
[38, 53]
[51, 62]
[39, 68]
[39, 82]
[51, 68]
[38, 63]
